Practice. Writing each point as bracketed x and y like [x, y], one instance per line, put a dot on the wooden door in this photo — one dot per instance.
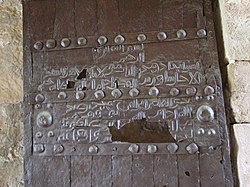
[123, 93]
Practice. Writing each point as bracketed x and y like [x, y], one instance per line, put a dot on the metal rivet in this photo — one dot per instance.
[80, 95]
[62, 95]
[201, 131]
[65, 42]
[50, 43]
[134, 92]
[198, 97]
[50, 134]
[192, 148]
[99, 94]
[38, 106]
[44, 119]
[81, 41]
[211, 97]
[93, 149]
[119, 39]
[211, 132]
[116, 93]
[202, 33]
[151, 148]
[49, 105]
[102, 40]
[141, 37]
[205, 113]
[174, 92]
[39, 135]
[162, 36]
[153, 91]
[172, 148]
[191, 91]
[134, 148]
[39, 148]
[114, 149]
[181, 34]
[58, 148]
[209, 90]
[39, 98]
[38, 45]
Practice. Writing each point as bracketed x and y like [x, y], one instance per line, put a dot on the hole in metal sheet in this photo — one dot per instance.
[71, 84]
[83, 74]
[141, 131]
[187, 173]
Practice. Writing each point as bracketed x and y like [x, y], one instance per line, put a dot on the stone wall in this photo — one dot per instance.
[236, 35]
[11, 81]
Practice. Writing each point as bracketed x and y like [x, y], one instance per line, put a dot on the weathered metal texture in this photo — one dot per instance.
[123, 93]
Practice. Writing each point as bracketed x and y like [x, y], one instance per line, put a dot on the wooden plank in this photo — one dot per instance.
[64, 20]
[86, 19]
[172, 14]
[166, 170]
[108, 17]
[101, 171]
[50, 171]
[81, 171]
[188, 166]
[130, 15]
[41, 19]
[143, 170]
[151, 15]
[212, 170]
[121, 170]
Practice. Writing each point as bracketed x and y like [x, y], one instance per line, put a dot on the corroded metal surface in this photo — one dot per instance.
[123, 93]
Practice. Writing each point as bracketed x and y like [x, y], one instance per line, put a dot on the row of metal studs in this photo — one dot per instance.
[133, 148]
[119, 39]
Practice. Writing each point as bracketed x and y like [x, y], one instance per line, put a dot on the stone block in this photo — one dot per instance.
[242, 132]
[11, 145]
[236, 26]
[239, 76]
[11, 58]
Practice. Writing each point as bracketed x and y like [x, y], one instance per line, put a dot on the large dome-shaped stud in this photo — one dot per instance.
[38, 45]
[192, 148]
[181, 34]
[93, 149]
[134, 92]
[209, 90]
[153, 91]
[119, 39]
[152, 149]
[134, 148]
[99, 94]
[65, 42]
[39, 98]
[51, 43]
[141, 37]
[174, 92]
[81, 41]
[172, 148]
[202, 33]
[116, 93]
[205, 113]
[58, 148]
[44, 119]
[62, 95]
[38, 148]
[80, 95]
[191, 91]
[162, 36]
[102, 40]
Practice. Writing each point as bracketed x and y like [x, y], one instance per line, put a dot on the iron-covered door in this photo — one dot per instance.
[123, 93]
